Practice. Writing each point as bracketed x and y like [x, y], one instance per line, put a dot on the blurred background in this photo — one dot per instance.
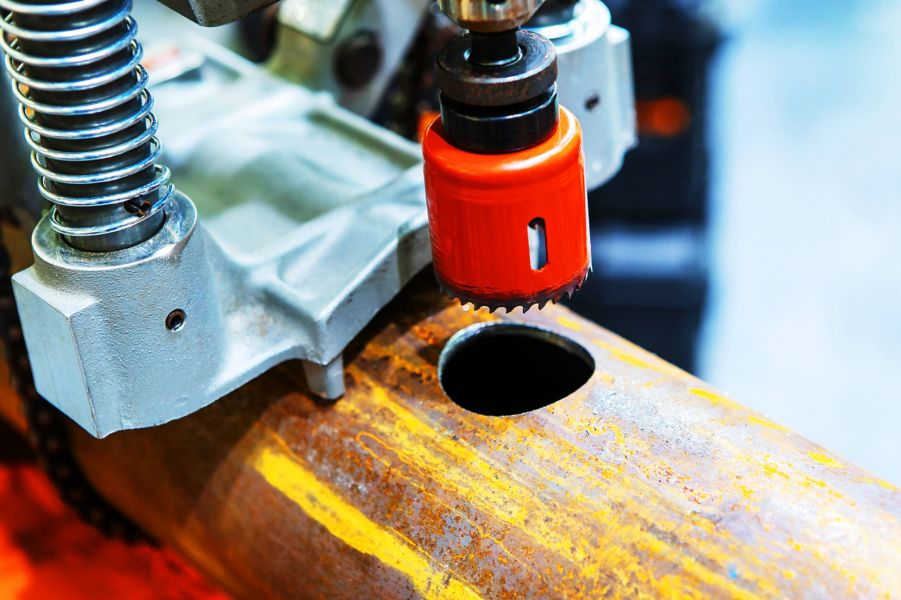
[786, 201]
[804, 318]
[754, 235]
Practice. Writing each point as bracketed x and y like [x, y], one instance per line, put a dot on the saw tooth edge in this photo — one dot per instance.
[493, 308]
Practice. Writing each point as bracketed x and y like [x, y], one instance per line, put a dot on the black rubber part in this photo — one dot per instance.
[494, 49]
[505, 84]
[500, 130]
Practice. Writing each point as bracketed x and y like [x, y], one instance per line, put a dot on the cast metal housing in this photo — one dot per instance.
[312, 219]
[210, 14]
[594, 81]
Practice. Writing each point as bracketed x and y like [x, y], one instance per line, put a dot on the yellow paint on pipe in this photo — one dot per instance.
[881, 483]
[455, 465]
[507, 555]
[824, 459]
[767, 423]
[642, 359]
[569, 323]
[622, 355]
[715, 398]
[283, 471]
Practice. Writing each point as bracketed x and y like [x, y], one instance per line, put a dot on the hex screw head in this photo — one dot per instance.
[359, 59]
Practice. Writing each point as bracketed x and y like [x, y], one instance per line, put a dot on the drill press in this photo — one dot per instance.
[505, 177]
[329, 222]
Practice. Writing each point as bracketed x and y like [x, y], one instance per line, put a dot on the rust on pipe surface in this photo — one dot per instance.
[644, 483]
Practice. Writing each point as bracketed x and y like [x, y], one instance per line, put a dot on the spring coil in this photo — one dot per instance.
[84, 102]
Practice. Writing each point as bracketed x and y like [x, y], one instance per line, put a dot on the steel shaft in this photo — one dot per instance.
[87, 117]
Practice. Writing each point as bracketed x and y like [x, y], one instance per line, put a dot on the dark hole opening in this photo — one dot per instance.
[593, 101]
[175, 320]
[511, 368]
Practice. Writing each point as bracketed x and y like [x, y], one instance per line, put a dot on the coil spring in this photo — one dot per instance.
[84, 102]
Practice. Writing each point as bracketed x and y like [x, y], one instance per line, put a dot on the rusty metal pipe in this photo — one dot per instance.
[644, 483]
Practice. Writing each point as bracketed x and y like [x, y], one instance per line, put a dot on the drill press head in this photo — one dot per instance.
[505, 179]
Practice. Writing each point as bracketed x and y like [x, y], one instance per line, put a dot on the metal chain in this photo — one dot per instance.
[47, 428]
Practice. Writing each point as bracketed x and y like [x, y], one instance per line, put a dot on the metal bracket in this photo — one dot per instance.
[594, 82]
[311, 220]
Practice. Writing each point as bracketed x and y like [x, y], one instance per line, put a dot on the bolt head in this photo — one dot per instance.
[359, 59]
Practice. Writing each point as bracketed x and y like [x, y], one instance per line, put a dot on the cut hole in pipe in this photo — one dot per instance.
[500, 369]
[537, 244]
